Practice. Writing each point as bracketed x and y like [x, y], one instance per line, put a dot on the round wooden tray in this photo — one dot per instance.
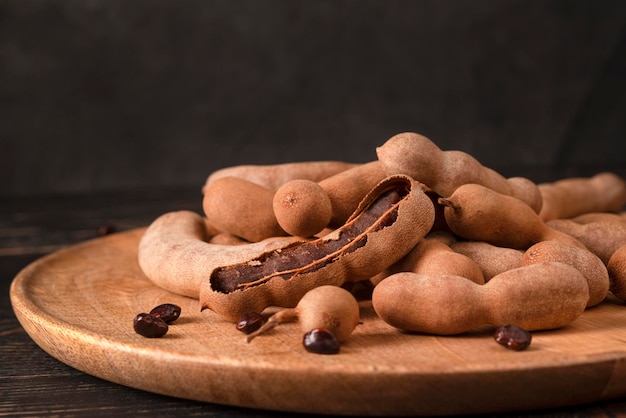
[78, 305]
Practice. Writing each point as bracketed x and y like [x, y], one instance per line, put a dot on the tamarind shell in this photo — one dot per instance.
[178, 250]
[389, 221]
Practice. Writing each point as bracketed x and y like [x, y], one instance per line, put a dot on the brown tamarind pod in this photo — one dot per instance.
[590, 217]
[347, 188]
[388, 222]
[592, 268]
[478, 213]
[241, 208]
[175, 252]
[272, 176]
[444, 171]
[433, 255]
[540, 296]
[304, 208]
[491, 259]
[570, 197]
[617, 272]
[600, 237]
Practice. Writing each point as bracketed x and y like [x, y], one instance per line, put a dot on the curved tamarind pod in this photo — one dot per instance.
[388, 222]
[601, 237]
[444, 171]
[617, 272]
[174, 252]
[478, 213]
[491, 259]
[275, 175]
[535, 297]
[434, 256]
[585, 261]
[304, 208]
[590, 217]
[347, 188]
[570, 197]
[242, 208]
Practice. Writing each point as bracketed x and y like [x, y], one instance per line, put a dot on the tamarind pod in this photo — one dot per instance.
[347, 188]
[590, 217]
[491, 259]
[388, 222]
[226, 238]
[241, 208]
[601, 238]
[304, 208]
[275, 175]
[535, 297]
[478, 213]
[444, 171]
[570, 197]
[434, 256]
[617, 272]
[174, 253]
[592, 268]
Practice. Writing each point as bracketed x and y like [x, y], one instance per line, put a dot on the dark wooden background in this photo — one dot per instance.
[115, 111]
[104, 95]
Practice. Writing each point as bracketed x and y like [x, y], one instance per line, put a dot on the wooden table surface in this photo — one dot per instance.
[34, 384]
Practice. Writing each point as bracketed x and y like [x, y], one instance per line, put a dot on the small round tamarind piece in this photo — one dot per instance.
[320, 341]
[302, 207]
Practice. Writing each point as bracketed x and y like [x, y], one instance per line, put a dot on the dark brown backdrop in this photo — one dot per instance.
[115, 94]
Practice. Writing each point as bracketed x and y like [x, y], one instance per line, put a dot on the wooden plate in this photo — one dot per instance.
[78, 305]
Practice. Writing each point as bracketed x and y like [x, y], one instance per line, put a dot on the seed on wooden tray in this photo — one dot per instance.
[167, 312]
[149, 326]
[320, 341]
[512, 337]
[250, 322]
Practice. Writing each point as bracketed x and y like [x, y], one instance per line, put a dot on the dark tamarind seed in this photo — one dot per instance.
[512, 337]
[250, 322]
[149, 326]
[167, 312]
[320, 341]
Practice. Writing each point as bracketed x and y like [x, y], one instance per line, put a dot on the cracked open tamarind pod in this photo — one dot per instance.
[389, 221]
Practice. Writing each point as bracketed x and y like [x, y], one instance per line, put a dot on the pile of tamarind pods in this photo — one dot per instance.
[445, 244]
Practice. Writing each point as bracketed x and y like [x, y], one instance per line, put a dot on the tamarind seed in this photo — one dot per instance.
[149, 326]
[250, 322]
[512, 337]
[167, 312]
[320, 341]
